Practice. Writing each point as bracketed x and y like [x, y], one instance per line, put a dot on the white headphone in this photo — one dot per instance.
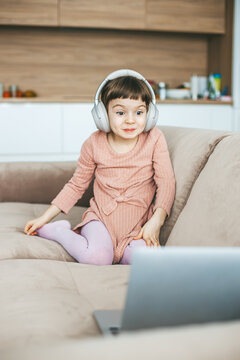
[99, 111]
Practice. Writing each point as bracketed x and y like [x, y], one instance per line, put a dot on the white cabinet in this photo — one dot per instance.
[216, 117]
[236, 119]
[29, 129]
[222, 118]
[56, 132]
[78, 125]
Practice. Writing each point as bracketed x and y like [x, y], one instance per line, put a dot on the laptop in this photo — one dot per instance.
[174, 286]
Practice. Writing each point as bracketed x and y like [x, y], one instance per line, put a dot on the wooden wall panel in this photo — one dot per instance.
[220, 50]
[121, 14]
[73, 62]
[205, 16]
[29, 12]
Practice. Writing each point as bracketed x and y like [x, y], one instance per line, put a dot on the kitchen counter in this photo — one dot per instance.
[87, 99]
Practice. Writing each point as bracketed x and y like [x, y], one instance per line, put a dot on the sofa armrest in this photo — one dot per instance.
[36, 182]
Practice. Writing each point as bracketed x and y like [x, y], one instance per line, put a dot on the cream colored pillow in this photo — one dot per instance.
[211, 215]
[189, 151]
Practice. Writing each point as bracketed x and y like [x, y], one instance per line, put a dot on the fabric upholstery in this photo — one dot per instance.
[44, 300]
[14, 244]
[189, 151]
[214, 341]
[211, 215]
[36, 182]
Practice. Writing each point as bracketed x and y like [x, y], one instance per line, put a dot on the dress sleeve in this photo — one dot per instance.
[163, 175]
[77, 185]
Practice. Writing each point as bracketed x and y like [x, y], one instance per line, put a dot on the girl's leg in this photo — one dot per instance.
[127, 255]
[94, 245]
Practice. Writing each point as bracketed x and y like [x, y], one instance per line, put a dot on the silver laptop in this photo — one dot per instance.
[177, 286]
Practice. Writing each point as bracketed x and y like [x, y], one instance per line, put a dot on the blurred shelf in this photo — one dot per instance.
[41, 99]
[88, 99]
[197, 102]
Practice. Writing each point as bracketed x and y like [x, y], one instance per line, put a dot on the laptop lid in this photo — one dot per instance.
[182, 285]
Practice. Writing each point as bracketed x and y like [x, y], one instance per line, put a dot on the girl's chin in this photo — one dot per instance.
[130, 135]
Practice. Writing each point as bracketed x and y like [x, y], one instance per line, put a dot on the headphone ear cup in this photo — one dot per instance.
[100, 117]
[152, 116]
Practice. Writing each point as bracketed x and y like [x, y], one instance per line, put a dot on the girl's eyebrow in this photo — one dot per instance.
[118, 105]
[124, 106]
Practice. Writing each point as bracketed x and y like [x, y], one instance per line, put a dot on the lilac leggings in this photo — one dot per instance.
[94, 245]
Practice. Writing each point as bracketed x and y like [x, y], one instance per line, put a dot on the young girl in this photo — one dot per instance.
[134, 184]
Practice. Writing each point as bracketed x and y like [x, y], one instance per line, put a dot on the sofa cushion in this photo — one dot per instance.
[44, 300]
[211, 215]
[197, 342]
[37, 182]
[14, 244]
[189, 151]
[52, 302]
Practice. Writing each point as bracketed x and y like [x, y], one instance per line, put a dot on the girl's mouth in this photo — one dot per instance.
[129, 130]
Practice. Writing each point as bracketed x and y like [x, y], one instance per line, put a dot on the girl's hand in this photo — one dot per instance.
[150, 232]
[32, 225]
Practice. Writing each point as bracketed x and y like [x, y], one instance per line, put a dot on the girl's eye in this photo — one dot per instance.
[139, 112]
[120, 112]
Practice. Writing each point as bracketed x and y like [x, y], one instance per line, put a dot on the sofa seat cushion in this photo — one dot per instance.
[197, 342]
[211, 215]
[189, 150]
[14, 244]
[44, 300]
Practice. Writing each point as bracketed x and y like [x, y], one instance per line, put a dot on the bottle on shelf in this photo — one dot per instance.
[211, 87]
[217, 80]
[194, 87]
[162, 90]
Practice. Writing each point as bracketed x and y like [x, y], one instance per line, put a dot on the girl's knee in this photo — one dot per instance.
[96, 234]
[128, 253]
[94, 227]
[104, 258]
[99, 259]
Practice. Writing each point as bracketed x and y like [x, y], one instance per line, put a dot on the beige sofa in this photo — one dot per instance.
[47, 299]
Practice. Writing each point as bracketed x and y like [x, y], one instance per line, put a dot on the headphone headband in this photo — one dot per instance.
[123, 72]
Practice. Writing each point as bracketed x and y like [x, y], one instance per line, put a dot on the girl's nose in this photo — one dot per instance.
[130, 118]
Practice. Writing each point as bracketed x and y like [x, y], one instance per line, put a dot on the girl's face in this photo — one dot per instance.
[127, 117]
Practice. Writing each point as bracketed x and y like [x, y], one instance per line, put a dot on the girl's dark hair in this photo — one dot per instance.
[125, 87]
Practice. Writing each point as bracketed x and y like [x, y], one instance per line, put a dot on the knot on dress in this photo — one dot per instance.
[111, 206]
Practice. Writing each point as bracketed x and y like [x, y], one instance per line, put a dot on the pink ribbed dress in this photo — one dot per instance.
[128, 187]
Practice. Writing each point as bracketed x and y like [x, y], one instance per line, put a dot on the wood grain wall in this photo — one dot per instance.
[72, 62]
[29, 12]
[220, 50]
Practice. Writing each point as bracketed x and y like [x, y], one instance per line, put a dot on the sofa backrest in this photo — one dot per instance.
[189, 151]
[36, 182]
[211, 214]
